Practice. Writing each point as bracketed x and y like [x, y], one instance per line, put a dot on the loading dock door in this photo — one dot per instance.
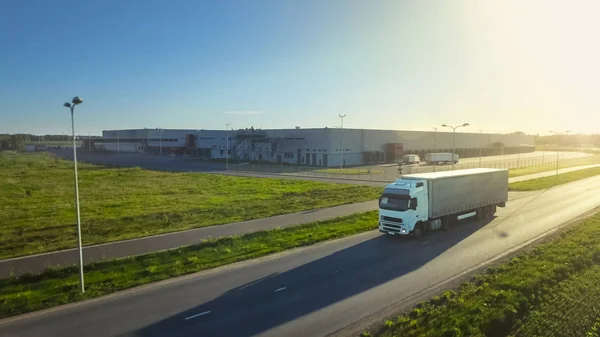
[314, 159]
[325, 160]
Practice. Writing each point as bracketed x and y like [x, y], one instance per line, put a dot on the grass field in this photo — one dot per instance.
[552, 290]
[547, 182]
[350, 171]
[60, 286]
[595, 159]
[37, 202]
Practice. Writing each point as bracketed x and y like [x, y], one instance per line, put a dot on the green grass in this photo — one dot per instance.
[37, 201]
[595, 159]
[350, 171]
[547, 182]
[60, 286]
[552, 290]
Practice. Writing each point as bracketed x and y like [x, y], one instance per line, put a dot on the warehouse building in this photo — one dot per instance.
[312, 147]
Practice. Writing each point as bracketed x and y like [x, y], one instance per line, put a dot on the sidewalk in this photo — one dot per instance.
[37, 263]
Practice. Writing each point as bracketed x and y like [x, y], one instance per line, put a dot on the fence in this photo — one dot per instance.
[386, 173]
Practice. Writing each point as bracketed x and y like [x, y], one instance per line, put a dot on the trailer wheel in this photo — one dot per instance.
[481, 213]
[446, 222]
[418, 231]
[490, 211]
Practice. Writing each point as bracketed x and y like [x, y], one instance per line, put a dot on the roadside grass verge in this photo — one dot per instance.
[551, 290]
[37, 212]
[60, 286]
[547, 182]
[573, 162]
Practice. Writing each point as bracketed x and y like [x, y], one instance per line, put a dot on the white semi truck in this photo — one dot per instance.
[446, 158]
[418, 203]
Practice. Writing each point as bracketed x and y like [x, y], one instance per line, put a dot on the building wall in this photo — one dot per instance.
[317, 147]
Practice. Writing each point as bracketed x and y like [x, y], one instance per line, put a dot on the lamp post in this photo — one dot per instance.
[434, 145]
[454, 138]
[558, 151]
[75, 101]
[480, 148]
[160, 140]
[227, 150]
[342, 143]
[519, 149]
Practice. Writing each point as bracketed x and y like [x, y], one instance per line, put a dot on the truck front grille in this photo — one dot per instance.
[390, 219]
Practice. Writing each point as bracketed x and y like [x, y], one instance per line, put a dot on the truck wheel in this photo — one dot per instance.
[446, 223]
[481, 213]
[490, 211]
[418, 231]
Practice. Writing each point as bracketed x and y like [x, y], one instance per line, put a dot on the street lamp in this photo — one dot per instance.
[558, 150]
[342, 143]
[227, 150]
[480, 148]
[519, 150]
[454, 138]
[75, 101]
[434, 145]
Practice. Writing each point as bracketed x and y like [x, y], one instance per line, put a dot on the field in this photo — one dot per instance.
[547, 182]
[37, 202]
[60, 286]
[552, 290]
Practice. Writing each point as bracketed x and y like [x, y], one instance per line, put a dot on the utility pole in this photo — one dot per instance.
[342, 143]
[227, 150]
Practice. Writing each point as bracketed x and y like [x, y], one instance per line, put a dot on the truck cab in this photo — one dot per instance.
[402, 205]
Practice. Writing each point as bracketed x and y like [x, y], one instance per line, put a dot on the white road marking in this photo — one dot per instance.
[198, 315]
[280, 289]
[426, 242]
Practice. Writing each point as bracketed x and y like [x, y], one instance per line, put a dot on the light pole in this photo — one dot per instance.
[434, 145]
[342, 143]
[519, 149]
[160, 140]
[227, 150]
[454, 138]
[77, 100]
[118, 142]
[480, 148]
[558, 151]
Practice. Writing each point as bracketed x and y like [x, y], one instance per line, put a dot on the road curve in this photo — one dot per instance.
[312, 291]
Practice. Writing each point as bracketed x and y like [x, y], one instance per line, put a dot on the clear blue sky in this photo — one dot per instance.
[501, 66]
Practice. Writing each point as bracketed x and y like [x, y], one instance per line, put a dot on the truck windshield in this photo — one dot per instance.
[394, 202]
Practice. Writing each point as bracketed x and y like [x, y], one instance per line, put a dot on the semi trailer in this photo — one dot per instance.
[417, 203]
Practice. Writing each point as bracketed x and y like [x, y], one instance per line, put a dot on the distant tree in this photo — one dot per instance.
[4, 145]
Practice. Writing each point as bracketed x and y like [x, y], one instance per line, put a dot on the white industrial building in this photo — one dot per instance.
[313, 147]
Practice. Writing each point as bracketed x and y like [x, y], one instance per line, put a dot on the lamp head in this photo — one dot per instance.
[466, 124]
[67, 104]
[77, 100]
[444, 125]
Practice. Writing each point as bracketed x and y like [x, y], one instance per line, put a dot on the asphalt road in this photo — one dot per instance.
[312, 291]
